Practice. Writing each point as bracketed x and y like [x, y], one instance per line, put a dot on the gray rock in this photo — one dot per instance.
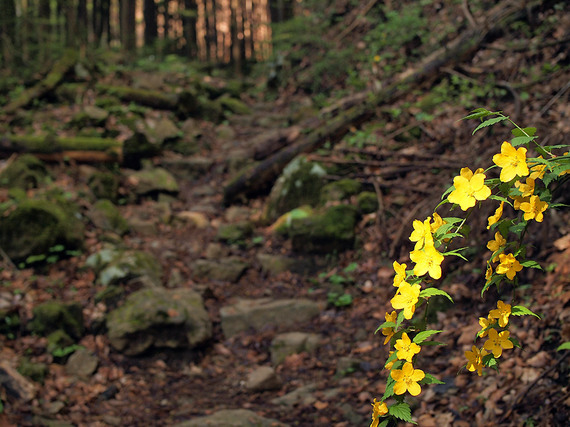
[226, 269]
[301, 396]
[275, 264]
[105, 215]
[82, 363]
[256, 314]
[173, 318]
[116, 267]
[262, 379]
[232, 418]
[289, 343]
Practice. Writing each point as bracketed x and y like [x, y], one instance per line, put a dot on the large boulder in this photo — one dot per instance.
[256, 314]
[300, 184]
[118, 266]
[332, 230]
[173, 318]
[232, 418]
[35, 226]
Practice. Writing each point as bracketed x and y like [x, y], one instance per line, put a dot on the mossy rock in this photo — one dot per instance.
[25, 172]
[51, 316]
[151, 182]
[35, 226]
[234, 105]
[105, 215]
[328, 232]
[300, 184]
[104, 185]
[340, 190]
[35, 371]
[232, 233]
[367, 202]
[89, 116]
[159, 318]
[116, 267]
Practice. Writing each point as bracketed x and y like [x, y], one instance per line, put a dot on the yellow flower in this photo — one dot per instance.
[389, 365]
[389, 332]
[376, 58]
[406, 348]
[437, 222]
[533, 209]
[497, 216]
[421, 234]
[469, 187]
[475, 360]
[564, 172]
[427, 260]
[489, 272]
[406, 299]
[502, 313]
[495, 245]
[497, 342]
[407, 379]
[509, 265]
[527, 189]
[518, 200]
[511, 161]
[378, 409]
[400, 270]
[485, 323]
[537, 170]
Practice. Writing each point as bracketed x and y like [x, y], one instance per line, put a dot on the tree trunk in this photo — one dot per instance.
[150, 24]
[333, 124]
[82, 26]
[128, 27]
[7, 32]
[189, 21]
[45, 33]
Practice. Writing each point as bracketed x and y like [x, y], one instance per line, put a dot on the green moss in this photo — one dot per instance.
[51, 316]
[234, 105]
[232, 233]
[104, 185]
[367, 202]
[333, 230]
[25, 172]
[340, 190]
[106, 215]
[35, 371]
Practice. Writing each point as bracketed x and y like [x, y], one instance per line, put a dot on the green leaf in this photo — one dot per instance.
[520, 140]
[384, 423]
[519, 310]
[392, 357]
[389, 392]
[564, 346]
[478, 113]
[489, 122]
[422, 336]
[455, 252]
[433, 343]
[430, 379]
[515, 342]
[351, 267]
[496, 278]
[399, 319]
[430, 292]
[385, 325]
[402, 411]
[530, 131]
[531, 264]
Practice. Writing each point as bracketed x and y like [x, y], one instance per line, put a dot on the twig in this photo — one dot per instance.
[467, 13]
[554, 98]
[354, 23]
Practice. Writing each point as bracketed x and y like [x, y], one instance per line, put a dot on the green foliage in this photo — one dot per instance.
[564, 346]
[339, 300]
[402, 411]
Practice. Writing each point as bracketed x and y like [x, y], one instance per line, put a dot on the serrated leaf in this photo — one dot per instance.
[433, 343]
[478, 113]
[489, 122]
[455, 252]
[531, 264]
[530, 131]
[430, 379]
[385, 325]
[389, 392]
[496, 278]
[515, 342]
[520, 140]
[564, 346]
[519, 310]
[422, 336]
[399, 319]
[384, 423]
[402, 411]
[392, 357]
[430, 292]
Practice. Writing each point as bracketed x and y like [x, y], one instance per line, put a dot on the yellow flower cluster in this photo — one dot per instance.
[496, 342]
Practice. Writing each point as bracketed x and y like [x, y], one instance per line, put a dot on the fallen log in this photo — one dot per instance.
[49, 83]
[146, 97]
[51, 147]
[333, 124]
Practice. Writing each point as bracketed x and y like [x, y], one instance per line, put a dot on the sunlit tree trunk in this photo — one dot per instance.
[150, 24]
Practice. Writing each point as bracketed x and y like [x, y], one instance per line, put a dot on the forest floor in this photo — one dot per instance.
[164, 387]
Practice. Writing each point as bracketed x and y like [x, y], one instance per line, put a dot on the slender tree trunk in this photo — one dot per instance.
[44, 16]
[82, 26]
[127, 18]
[150, 24]
[7, 31]
[190, 20]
